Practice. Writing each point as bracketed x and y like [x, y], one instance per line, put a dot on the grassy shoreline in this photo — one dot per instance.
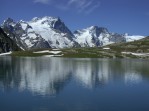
[79, 53]
[135, 49]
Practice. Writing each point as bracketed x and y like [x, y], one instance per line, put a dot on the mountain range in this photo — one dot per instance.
[51, 32]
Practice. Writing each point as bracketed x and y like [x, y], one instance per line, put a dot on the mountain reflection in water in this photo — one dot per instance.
[48, 76]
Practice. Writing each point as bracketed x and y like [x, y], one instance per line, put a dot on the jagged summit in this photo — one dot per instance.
[42, 32]
[44, 20]
[45, 32]
[35, 19]
[95, 36]
[9, 20]
[93, 30]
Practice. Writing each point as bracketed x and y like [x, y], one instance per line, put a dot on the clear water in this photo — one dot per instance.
[66, 84]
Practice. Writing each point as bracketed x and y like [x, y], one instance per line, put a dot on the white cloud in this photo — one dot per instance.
[78, 3]
[93, 8]
[42, 1]
[81, 6]
[86, 6]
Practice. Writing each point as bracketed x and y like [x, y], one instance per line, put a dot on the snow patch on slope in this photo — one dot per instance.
[133, 38]
[47, 51]
[7, 53]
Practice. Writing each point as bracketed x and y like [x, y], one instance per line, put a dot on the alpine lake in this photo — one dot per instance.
[73, 84]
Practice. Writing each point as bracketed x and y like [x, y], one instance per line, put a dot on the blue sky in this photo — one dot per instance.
[131, 16]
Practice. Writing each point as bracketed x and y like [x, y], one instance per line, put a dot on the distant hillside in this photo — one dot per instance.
[139, 46]
[136, 49]
[7, 44]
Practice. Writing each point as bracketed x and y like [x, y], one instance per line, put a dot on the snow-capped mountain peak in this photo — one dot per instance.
[35, 19]
[8, 21]
[96, 28]
[44, 20]
[52, 32]
[93, 36]
[42, 32]
[93, 30]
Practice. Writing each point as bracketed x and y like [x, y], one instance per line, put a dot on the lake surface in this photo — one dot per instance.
[69, 84]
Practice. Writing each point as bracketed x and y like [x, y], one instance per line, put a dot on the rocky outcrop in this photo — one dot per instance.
[7, 44]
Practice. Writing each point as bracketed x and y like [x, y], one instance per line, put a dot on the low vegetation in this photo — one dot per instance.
[131, 50]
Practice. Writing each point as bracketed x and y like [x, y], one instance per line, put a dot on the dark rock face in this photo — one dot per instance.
[7, 44]
[41, 44]
[14, 31]
[59, 25]
[117, 38]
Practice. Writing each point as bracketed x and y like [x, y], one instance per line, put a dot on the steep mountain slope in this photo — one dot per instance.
[99, 36]
[7, 44]
[43, 32]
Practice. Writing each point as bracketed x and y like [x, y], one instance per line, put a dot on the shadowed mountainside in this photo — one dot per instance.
[7, 44]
